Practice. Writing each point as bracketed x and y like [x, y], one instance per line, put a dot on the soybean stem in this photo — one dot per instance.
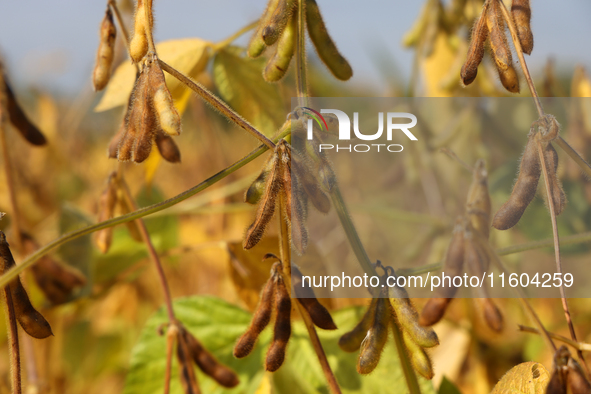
[149, 26]
[151, 250]
[216, 103]
[409, 373]
[301, 78]
[285, 251]
[15, 359]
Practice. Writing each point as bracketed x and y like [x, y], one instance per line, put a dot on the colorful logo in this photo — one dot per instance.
[315, 115]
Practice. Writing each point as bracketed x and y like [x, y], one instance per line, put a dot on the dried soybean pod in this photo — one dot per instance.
[509, 79]
[318, 313]
[418, 357]
[18, 118]
[255, 190]
[282, 329]
[187, 372]
[475, 51]
[296, 209]
[138, 46]
[260, 319]
[351, 341]
[558, 196]
[105, 53]
[106, 210]
[501, 52]
[478, 205]
[168, 148]
[521, 12]
[524, 189]
[558, 380]
[256, 46]
[377, 335]
[266, 207]
[310, 184]
[278, 64]
[433, 311]
[576, 379]
[168, 117]
[492, 314]
[132, 226]
[112, 150]
[278, 21]
[27, 316]
[325, 46]
[208, 363]
[408, 318]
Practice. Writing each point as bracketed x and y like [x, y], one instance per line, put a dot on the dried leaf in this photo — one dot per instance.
[526, 378]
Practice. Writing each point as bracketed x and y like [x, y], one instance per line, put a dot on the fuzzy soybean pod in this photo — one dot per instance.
[256, 46]
[521, 12]
[576, 380]
[168, 117]
[138, 46]
[558, 196]
[17, 116]
[325, 46]
[282, 329]
[266, 206]
[418, 357]
[475, 51]
[260, 320]
[377, 335]
[318, 313]
[454, 260]
[351, 341]
[278, 64]
[501, 52]
[408, 318]
[27, 316]
[105, 53]
[208, 363]
[257, 187]
[167, 148]
[278, 21]
[478, 206]
[524, 189]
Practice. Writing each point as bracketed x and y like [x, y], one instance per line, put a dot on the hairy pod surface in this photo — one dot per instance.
[105, 53]
[418, 357]
[260, 320]
[318, 313]
[377, 336]
[282, 329]
[521, 12]
[256, 46]
[501, 52]
[558, 196]
[278, 21]
[106, 210]
[168, 148]
[32, 322]
[408, 318]
[325, 46]
[266, 207]
[56, 281]
[351, 341]
[18, 118]
[138, 46]
[475, 51]
[524, 189]
[278, 65]
[208, 363]
[478, 206]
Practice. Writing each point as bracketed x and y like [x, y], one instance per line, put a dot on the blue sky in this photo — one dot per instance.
[52, 44]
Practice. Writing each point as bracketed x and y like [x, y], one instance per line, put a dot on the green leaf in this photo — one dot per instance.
[240, 82]
[218, 325]
[447, 387]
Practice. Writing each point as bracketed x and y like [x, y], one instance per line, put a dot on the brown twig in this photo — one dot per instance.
[15, 359]
[582, 346]
[216, 103]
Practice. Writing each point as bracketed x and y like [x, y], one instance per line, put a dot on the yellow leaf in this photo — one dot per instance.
[437, 67]
[188, 55]
[526, 378]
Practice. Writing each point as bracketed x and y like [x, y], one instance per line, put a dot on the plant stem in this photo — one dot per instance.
[150, 27]
[16, 217]
[301, 78]
[171, 336]
[216, 103]
[151, 250]
[113, 5]
[15, 359]
[32, 259]
[577, 345]
[233, 37]
[285, 251]
[574, 155]
[409, 373]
